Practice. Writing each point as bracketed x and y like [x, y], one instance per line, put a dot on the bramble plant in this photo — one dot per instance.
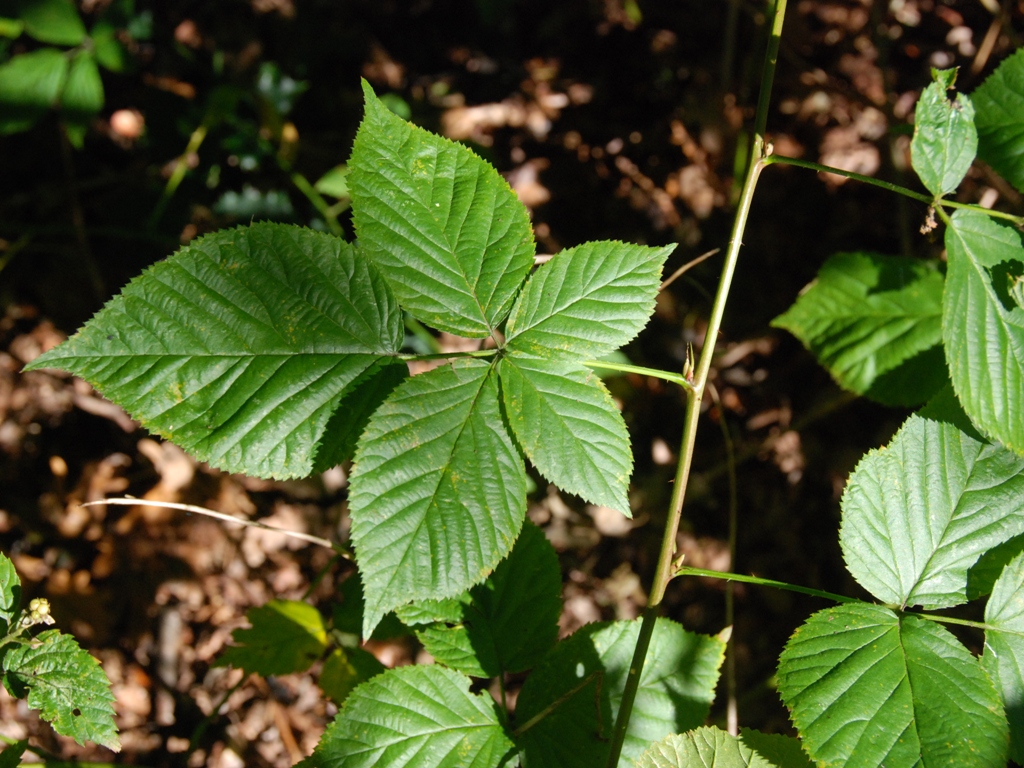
[277, 351]
[51, 671]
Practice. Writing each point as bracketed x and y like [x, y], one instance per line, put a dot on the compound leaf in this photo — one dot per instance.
[240, 346]
[505, 624]
[919, 512]
[286, 636]
[438, 490]
[569, 427]
[30, 84]
[945, 140]
[868, 687]
[586, 301]
[983, 324]
[999, 105]
[10, 593]
[706, 747]
[65, 684]
[867, 315]
[1004, 648]
[417, 716]
[445, 228]
[578, 688]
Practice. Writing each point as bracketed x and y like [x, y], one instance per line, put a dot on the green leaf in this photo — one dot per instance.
[240, 346]
[10, 593]
[566, 709]
[569, 427]
[784, 751]
[982, 328]
[418, 716]
[587, 301]
[504, 625]
[438, 490]
[52, 21]
[944, 407]
[945, 140]
[868, 687]
[444, 227]
[108, 49]
[82, 97]
[344, 669]
[29, 85]
[286, 636]
[359, 401]
[12, 754]
[65, 684]
[1004, 648]
[866, 316]
[11, 28]
[334, 182]
[919, 512]
[706, 747]
[999, 103]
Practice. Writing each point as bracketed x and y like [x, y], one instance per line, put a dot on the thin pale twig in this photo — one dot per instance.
[129, 501]
[687, 267]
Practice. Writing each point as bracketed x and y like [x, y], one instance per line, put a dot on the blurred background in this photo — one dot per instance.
[128, 128]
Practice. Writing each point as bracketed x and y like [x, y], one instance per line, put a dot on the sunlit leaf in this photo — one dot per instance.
[438, 490]
[945, 140]
[919, 512]
[286, 636]
[240, 346]
[999, 102]
[983, 327]
[569, 427]
[10, 593]
[866, 316]
[1004, 648]
[587, 301]
[414, 717]
[65, 684]
[702, 748]
[868, 687]
[445, 228]
[566, 709]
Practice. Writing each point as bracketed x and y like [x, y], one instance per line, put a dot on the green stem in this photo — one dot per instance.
[663, 571]
[449, 355]
[940, 203]
[967, 623]
[302, 184]
[686, 570]
[180, 169]
[675, 378]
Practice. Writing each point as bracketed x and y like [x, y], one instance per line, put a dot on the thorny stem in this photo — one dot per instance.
[664, 570]
[940, 203]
